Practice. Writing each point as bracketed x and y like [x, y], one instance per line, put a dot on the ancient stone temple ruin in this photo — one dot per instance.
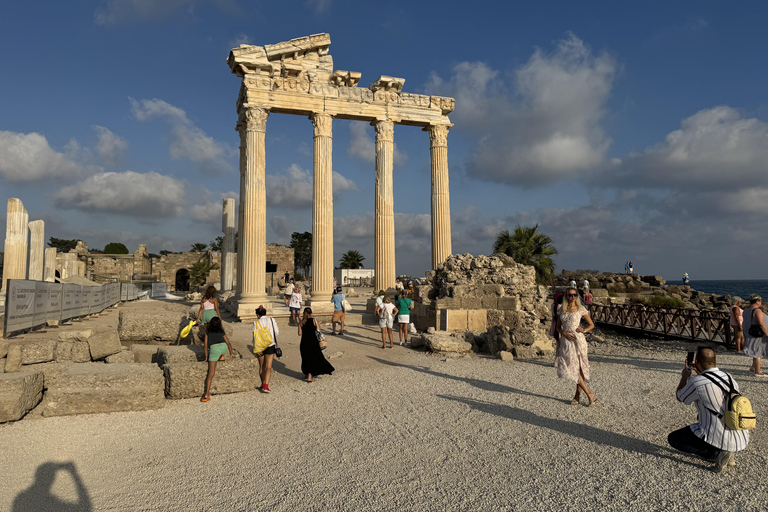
[297, 77]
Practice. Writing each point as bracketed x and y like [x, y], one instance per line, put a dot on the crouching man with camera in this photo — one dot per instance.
[709, 437]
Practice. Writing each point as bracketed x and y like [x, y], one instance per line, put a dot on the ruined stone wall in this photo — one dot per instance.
[492, 296]
[120, 266]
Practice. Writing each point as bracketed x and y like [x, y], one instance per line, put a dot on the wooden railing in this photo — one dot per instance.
[680, 323]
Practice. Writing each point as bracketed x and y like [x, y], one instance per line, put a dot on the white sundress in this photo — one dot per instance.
[572, 355]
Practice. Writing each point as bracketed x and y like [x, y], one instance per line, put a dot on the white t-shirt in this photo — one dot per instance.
[295, 300]
[289, 289]
[586, 283]
[387, 310]
[271, 326]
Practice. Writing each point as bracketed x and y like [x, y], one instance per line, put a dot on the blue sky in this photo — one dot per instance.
[626, 131]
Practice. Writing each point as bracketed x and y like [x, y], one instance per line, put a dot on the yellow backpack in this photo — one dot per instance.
[738, 409]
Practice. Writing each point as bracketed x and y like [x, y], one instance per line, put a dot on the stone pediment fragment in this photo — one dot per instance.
[387, 83]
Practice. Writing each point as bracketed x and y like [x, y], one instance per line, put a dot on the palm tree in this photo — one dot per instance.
[351, 259]
[528, 247]
[199, 247]
[198, 274]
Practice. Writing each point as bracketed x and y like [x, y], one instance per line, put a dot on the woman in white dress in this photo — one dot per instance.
[755, 347]
[571, 360]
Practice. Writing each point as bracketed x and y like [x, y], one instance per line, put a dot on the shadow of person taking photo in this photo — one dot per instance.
[39, 497]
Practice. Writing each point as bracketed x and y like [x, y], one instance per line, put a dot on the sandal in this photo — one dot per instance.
[593, 402]
[205, 399]
[575, 402]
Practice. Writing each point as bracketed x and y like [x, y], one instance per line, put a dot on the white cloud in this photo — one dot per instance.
[240, 39]
[552, 131]
[148, 195]
[28, 157]
[294, 188]
[211, 211]
[188, 141]
[118, 12]
[715, 148]
[363, 146]
[319, 6]
[110, 146]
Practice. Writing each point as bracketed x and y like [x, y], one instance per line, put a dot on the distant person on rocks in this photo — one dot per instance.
[338, 311]
[572, 362]
[587, 297]
[287, 277]
[626, 268]
[631, 267]
[572, 284]
[294, 305]
[403, 306]
[737, 319]
[266, 357]
[209, 306]
[289, 286]
[686, 279]
[585, 285]
[313, 362]
[755, 347]
[216, 345]
[399, 286]
[386, 321]
[708, 438]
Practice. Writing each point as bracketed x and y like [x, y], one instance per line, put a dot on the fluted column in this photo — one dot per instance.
[384, 231]
[16, 242]
[322, 210]
[441, 210]
[253, 230]
[36, 250]
[49, 269]
[239, 271]
[228, 243]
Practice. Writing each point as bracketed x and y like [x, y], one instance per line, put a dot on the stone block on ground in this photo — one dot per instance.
[104, 344]
[416, 341]
[125, 356]
[3, 348]
[38, 351]
[525, 352]
[13, 359]
[81, 352]
[135, 326]
[505, 356]
[75, 335]
[63, 351]
[97, 388]
[441, 342]
[186, 380]
[180, 354]
[144, 353]
[19, 394]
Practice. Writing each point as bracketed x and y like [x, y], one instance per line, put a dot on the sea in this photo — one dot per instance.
[735, 288]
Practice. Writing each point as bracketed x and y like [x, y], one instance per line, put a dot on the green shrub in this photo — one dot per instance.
[660, 301]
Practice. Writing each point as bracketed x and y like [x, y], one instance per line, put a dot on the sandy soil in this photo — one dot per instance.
[395, 429]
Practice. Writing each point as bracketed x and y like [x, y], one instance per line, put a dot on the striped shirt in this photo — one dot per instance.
[704, 394]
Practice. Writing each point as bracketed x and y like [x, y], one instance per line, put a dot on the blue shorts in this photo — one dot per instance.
[294, 309]
[217, 350]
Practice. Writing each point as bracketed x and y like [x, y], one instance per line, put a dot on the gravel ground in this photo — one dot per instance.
[397, 429]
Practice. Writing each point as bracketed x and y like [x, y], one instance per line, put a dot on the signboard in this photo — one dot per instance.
[86, 296]
[19, 305]
[159, 290]
[96, 294]
[53, 310]
[41, 302]
[123, 292]
[69, 308]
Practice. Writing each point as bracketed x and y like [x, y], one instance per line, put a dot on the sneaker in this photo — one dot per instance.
[723, 460]
[265, 388]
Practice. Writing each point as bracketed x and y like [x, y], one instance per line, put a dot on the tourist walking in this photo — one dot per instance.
[755, 333]
[404, 306]
[708, 438]
[737, 318]
[265, 358]
[288, 291]
[399, 287]
[339, 315]
[386, 321]
[572, 362]
[294, 306]
[631, 267]
[313, 362]
[215, 346]
[209, 306]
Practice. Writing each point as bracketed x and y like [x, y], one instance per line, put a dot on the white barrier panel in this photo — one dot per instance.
[159, 290]
[69, 308]
[19, 305]
[123, 292]
[41, 302]
[86, 295]
[53, 309]
[95, 300]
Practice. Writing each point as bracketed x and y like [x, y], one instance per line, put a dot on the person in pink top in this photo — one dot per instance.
[736, 320]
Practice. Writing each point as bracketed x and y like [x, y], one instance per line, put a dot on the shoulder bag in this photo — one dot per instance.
[320, 338]
[754, 329]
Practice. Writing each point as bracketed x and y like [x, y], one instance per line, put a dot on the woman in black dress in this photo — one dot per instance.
[312, 360]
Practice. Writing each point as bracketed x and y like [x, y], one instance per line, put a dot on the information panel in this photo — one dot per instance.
[69, 307]
[86, 295]
[53, 307]
[19, 305]
[159, 290]
[41, 302]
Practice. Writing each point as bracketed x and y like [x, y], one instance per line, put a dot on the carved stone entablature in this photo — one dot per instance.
[387, 83]
[299, 47]
[446, 105]
[283, 59]
[345, 78]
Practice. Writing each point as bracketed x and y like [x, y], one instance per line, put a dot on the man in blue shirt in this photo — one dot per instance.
[338, 310]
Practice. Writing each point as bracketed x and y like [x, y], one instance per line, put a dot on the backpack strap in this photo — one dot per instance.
[716, 380]
[274, 333]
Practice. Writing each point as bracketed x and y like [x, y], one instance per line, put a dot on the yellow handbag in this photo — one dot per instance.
[262, 338]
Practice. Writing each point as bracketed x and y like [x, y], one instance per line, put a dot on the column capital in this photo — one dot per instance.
[253, 119]
[438, 134]
[323, 124]
[385, 130]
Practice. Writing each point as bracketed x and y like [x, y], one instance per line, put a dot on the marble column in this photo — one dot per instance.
[49, 268]
[322, 214]
[68, 265]
[384, 230]
[228, 244]
[239, 270]
[441, 211]
[36, 250]
[16, 242]
[253, 231]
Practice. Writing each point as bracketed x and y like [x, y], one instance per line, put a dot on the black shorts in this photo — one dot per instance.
[269, 350]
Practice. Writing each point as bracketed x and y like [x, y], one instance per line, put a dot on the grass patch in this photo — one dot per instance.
[659, 301]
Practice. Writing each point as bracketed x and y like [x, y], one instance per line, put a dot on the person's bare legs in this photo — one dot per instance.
[389, 332]
[309, 378]
[383, 337]
[756, 365]
[403, 328]
[209, 378]
[582, 384]
[265, 368]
